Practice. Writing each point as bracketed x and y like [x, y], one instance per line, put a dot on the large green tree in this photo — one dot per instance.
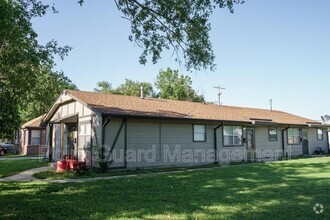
[180, 25]
[104, 87]
[48, 86]
[133, 88]
[173, 86]
[130, 87]
[22, 58]
[170, 83]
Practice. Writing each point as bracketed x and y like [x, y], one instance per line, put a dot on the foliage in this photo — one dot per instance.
[180, 25]
[8, 113]
[133, 88]
[176, 87]
[130, 87]
[104, 87]
[48, 86]
[283, 190]
[170, 84]
[22, 58]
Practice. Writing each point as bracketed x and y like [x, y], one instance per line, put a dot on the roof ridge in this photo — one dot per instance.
[171, 100]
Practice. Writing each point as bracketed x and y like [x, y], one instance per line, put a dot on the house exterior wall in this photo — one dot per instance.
[314, 144]
[84, 130]
[162, 139]
[26, 145]
[152, 143]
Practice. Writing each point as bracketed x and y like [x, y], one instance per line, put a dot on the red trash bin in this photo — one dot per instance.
[62, 166]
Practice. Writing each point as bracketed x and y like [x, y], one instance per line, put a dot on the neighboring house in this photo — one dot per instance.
[146, 132]
[31, 138]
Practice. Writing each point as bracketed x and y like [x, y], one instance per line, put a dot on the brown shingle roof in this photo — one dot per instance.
[148, 107]
[33, 123]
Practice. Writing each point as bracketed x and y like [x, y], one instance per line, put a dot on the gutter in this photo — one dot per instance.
[283, 141]
[216, 143]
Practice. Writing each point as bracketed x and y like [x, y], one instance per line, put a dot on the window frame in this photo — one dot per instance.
[32, 138]
[294, 136]
[223, 136]
[317, 134]
[269, 135]
[87, 137]
[193, 129]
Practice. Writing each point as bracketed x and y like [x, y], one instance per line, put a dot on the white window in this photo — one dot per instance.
[233, 135]
[293, 136]
[84, 140]
[319, 134]
[35, 137]
[272, 132]
[199, 133]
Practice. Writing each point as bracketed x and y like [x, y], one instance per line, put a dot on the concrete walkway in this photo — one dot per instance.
[26, 175]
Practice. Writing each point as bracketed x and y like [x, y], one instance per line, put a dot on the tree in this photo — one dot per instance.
[130, 87]
[182, 25]
[133, 88]
[104, 87]
[48, 87]
[176, 87]
[8, 113]
[21, 56]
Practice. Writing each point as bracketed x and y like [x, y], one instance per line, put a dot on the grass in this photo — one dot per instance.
[53, 175]
[11, 155]
[282, 190]
[12, 167]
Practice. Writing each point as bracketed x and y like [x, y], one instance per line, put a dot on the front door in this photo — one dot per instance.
[304, 141]
[250, 144]
[72, 149]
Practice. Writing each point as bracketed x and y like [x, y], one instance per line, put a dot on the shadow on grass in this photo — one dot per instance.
[287, 190]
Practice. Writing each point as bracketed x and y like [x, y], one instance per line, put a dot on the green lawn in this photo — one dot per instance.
[53, 175]
[283, 190]
[11, 167]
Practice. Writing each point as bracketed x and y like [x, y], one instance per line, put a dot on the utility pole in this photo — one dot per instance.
[271, 104]
[219, 93]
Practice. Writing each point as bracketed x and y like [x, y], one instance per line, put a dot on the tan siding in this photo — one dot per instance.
[143, 136]
[266, 149]
[59, 138]
[315, 144]
[165, 137]
[71, 108]
[111, 131]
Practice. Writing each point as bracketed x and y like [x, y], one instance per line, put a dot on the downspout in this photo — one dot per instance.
[328, 141]
[91, 139]
[50, 140]
[283, 141]
[216, 143]
[125, 144]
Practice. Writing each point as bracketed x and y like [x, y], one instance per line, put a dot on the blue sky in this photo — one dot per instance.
[275, 49]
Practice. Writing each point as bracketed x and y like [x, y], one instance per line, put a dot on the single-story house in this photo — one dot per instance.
[146, 132]
[31, 138]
